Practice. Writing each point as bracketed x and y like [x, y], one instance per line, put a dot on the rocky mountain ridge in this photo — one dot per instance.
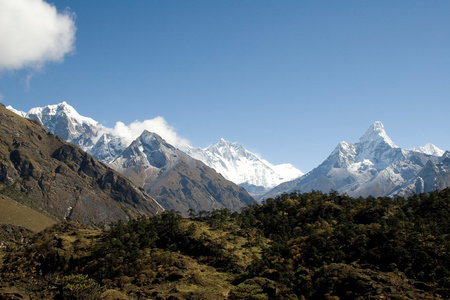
[175, 179]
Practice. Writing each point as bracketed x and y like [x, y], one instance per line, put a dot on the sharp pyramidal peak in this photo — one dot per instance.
[375, 166]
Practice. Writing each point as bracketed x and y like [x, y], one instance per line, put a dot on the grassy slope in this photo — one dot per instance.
[12, 212]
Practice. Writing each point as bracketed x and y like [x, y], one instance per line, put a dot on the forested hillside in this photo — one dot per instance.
[297, 246]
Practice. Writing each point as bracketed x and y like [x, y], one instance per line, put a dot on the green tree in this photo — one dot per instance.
[80, 287]
[247, 292]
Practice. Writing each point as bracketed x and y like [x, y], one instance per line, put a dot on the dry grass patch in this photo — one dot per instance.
[12, 212]
[244, 248]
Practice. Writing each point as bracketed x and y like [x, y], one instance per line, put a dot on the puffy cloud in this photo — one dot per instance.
[157, 125]
[32, 32]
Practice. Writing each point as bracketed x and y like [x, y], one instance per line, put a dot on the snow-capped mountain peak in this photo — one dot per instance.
[243, 167]
[63, 120]
[376, 135]
[230, 150]
[429, 149]
[17, 112]
[345, 154]
[153, 140]
[108, 147]
[376, 146]
[156, 151]
[61, 109]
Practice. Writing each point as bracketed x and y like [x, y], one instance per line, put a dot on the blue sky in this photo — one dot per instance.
[287, 79]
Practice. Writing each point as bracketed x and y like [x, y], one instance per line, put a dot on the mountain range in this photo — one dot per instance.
[170, 176]
[375, 166]
[59, 180]
[231, 160]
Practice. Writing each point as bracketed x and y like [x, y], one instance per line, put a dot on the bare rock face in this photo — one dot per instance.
[61, 179]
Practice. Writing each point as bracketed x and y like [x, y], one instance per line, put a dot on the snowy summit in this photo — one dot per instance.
[243, 167]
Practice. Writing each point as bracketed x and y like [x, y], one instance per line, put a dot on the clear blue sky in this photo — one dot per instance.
[287, 79]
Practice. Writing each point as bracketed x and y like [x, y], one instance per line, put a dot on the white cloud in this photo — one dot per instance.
[157, 125]
[32, 32]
